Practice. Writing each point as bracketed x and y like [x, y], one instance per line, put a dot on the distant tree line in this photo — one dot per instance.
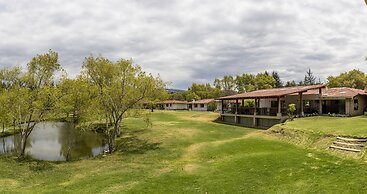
[247, 82]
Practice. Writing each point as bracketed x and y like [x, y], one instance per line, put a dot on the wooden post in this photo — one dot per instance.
[279, 108]
[222, 106]
[243, 102]
[254, 117]
[320, 101]
[236, 112]
[301, 104]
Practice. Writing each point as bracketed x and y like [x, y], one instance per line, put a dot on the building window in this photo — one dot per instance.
[167, 105]
[202, 105]
[195, 105]
[307, 103]
[355, 104]
[274, 104]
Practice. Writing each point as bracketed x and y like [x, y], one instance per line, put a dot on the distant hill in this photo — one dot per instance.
[173, 91]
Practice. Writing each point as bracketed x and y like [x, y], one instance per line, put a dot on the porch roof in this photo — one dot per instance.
[272, 93]
[202, 101]
[173, 102]
[342, 92]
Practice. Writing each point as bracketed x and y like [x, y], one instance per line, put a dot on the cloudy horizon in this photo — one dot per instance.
[191, 41]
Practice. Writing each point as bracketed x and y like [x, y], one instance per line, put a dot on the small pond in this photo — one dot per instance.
[57, 141]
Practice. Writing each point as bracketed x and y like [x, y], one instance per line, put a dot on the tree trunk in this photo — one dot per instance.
[3, 128]
[23, 145]
[111, 145]
[116, 129]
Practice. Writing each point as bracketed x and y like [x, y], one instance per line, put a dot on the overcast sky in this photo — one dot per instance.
[189, 41]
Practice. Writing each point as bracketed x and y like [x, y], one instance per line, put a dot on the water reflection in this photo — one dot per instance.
[56, 141]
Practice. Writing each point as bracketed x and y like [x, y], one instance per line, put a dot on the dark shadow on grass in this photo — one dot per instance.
[130, 143]
[219, 121]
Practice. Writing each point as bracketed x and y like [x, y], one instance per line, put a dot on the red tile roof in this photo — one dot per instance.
[173, 102]
[203, 101]
[342, 92]
[275, 92]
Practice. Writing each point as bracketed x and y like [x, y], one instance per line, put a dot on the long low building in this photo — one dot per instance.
[173, 105]
[198, 105]
[270, 105]
[203, 105]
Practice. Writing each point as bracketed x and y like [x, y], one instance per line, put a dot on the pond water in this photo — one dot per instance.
[56, 141]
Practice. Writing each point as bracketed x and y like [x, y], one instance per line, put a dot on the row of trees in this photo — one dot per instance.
[249, 82]
[241, 83]
[104, 91]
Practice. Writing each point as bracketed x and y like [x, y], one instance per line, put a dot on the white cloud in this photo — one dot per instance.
[191, 41]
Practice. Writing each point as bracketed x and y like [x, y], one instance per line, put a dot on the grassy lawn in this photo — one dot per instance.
[347, 126]
[185, 152]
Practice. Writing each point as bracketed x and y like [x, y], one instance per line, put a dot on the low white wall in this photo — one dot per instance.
[199, 108]
[176, 107]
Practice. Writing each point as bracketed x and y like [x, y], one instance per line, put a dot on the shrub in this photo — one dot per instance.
[291, 109]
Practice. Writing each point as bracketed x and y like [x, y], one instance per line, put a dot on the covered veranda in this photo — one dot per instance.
[269, 106]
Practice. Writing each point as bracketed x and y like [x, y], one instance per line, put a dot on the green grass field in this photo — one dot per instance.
[185, 152]
[347, 126]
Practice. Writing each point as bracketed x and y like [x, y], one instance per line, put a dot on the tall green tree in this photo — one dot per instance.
[122, 86]
[75, 98]
[245, 82]
[290, 83]
[264, 81]
[204, 91]
[278, 83]
[309, 79]
[353, 79]
[227, 84]
[30, 94]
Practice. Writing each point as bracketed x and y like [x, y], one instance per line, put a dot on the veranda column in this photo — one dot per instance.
[236, 111]
[320, 101]
[254, 117]
[301, 103]
[222, 110]
[279, 108]
[222, 106]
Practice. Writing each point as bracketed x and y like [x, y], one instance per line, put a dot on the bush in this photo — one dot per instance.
[291, 109]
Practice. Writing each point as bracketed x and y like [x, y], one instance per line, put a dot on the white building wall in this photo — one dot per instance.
[219, 105]
[266, 102]
[199, 108]
[361, 105]
[175, 107]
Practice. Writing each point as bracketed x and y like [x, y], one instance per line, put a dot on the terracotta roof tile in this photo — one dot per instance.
[173, 102]
[343, 92]
[203, 101]
[275, 92]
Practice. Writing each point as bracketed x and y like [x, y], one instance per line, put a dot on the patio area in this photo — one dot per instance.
[265, 108]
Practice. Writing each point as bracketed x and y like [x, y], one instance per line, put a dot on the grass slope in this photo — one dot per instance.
[347, 126]
[184, 152]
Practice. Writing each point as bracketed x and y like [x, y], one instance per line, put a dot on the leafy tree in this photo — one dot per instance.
[290, 83]
[204, 91]
[245, 83]
[264, 81]
[278, 83]
[309, 79]
[178, 96]
[190, 96]
[75, 97]
[353, 79]
[225, 84]
[122, 86]
[30, 96]
[291, 110]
